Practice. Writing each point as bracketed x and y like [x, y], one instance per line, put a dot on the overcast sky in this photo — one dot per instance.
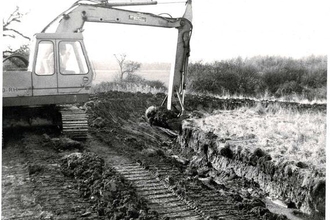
[223, 29]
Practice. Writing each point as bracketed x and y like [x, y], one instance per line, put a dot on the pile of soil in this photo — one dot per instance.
[111, 195]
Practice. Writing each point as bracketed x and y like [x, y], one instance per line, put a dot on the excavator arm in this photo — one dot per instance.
[73, 20]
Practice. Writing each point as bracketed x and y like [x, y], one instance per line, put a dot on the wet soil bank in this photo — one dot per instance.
[208, 103]
[298, 186]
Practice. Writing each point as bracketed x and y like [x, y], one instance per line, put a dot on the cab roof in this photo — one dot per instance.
[76, 36]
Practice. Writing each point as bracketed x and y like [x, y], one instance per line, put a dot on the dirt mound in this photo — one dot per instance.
[111, 195]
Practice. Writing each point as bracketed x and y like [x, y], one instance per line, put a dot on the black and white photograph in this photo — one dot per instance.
[164, 109]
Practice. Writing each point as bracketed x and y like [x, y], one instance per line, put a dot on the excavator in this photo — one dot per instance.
[59, 73]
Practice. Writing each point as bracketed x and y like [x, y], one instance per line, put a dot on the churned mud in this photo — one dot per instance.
[130, 168]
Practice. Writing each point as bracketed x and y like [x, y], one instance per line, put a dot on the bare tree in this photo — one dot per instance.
[8, 31]
[126, 66]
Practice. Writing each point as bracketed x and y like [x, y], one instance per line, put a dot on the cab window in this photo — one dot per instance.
[45, 58]
[72, 59]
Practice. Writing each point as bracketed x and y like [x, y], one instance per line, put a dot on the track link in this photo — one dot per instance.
[209, 203]
[74, 122]
[160, 197]
[198, 203]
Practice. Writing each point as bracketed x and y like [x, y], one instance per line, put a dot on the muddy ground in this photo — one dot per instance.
[47, 176]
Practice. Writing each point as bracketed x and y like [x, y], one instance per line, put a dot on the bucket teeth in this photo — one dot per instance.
[74, 122]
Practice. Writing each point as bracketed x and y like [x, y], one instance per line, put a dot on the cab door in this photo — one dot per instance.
[74, 73]
[44, 77]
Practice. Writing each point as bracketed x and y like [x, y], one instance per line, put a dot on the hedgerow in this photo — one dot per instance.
[256, 76]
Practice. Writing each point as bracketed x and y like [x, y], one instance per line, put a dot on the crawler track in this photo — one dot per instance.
[161, 198]
[211, 203]
[74, 122]
[153, 183]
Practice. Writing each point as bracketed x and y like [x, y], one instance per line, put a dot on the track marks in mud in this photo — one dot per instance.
[159, 196]
[33, 186]
[173, 194]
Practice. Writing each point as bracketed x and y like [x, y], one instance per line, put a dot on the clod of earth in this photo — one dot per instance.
[63, 143]
[35, 168]
[160, 116]
[99, 122]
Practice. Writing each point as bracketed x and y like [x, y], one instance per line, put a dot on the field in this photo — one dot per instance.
[283, 133]
[183, 163]
[281, 149]
[267, 144]
[251, 143]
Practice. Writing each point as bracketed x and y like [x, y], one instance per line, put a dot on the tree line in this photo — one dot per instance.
[257, 76]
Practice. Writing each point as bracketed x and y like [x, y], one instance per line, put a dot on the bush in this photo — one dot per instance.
[276, 76]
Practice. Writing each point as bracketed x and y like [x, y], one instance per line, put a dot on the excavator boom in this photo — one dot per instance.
[73, 20]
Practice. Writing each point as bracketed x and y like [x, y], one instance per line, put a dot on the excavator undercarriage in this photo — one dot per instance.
[70, 120]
